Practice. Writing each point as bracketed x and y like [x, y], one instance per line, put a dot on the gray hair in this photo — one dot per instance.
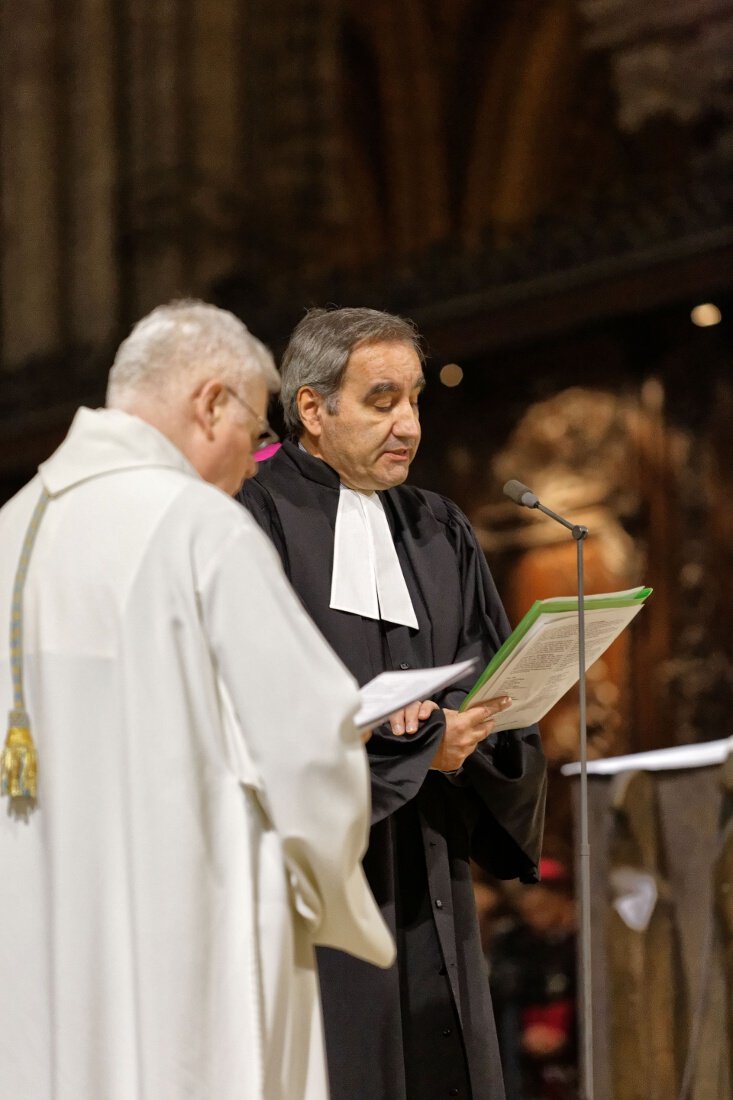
[319, 351]
[179, 344]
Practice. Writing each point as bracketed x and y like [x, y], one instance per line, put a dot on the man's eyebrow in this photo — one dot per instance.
[392, 387]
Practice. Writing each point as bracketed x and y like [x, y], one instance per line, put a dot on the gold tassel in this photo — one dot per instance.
[18, 765]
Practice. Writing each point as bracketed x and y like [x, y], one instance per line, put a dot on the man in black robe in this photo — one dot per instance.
[394, 578]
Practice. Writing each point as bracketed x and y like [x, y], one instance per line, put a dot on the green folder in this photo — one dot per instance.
[554, 604]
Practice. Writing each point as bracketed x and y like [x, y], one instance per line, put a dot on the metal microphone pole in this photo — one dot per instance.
[520, 494]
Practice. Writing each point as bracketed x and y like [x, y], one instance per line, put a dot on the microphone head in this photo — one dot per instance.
[520, 494]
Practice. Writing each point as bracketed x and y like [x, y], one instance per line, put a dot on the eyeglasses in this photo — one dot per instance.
[265, 435]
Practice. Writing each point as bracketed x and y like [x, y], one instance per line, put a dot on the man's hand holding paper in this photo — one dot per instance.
[465, 730]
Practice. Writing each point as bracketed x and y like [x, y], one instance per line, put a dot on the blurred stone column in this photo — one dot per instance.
[31, 276]
[90, 165]
[291, 91]
[219, 180]
[153, 181]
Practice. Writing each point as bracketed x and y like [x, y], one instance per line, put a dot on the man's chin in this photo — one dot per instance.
[392, 473]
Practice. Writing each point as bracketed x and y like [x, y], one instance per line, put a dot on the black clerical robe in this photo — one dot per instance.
[423, 1030]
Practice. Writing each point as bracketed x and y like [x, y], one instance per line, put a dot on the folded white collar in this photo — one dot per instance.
[367, 578]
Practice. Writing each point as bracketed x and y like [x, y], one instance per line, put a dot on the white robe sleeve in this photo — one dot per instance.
[293, 704]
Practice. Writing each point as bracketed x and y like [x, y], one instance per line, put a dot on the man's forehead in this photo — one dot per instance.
[380, 367]
[386, 385]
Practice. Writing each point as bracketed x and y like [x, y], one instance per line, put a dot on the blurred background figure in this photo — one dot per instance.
[495, 913]
[532, 972]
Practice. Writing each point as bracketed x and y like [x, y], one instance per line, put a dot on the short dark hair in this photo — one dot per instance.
[319, 350]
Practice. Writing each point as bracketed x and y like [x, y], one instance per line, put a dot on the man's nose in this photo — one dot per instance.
[406, 422]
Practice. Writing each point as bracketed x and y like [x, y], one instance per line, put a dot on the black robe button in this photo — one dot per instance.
[447, 1031]
[454, 1092]
[438, 903]
[404, 666]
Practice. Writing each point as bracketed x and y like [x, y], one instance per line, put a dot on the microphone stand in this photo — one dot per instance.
[520, 494]
[580, 533]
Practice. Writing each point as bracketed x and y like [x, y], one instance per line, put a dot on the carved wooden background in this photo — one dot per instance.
[545, 185]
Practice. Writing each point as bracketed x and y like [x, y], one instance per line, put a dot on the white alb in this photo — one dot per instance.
[203, 793]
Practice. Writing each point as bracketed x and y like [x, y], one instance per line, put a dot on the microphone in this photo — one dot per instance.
[521, 494]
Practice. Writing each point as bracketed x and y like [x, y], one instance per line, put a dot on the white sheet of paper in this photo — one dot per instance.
[705, 754]
[390, 691]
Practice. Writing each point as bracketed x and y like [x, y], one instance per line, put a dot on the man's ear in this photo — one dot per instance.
[310, 408]
[207, 404]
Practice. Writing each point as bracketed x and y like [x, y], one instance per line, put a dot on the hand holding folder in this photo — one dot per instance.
[538, 663]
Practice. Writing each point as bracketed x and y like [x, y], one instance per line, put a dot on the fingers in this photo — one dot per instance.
[408, 719]
[487, 711]
[405, 720]
[397, 722]
[412, 717]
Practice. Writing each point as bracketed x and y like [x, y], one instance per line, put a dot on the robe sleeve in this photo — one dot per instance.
[399, 765]
[506, 777]
[295, 741]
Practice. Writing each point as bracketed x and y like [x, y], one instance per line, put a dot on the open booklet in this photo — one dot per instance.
[390, 691]
[538, 662]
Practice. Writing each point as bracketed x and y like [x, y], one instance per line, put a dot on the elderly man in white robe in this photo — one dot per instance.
[187, 795]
